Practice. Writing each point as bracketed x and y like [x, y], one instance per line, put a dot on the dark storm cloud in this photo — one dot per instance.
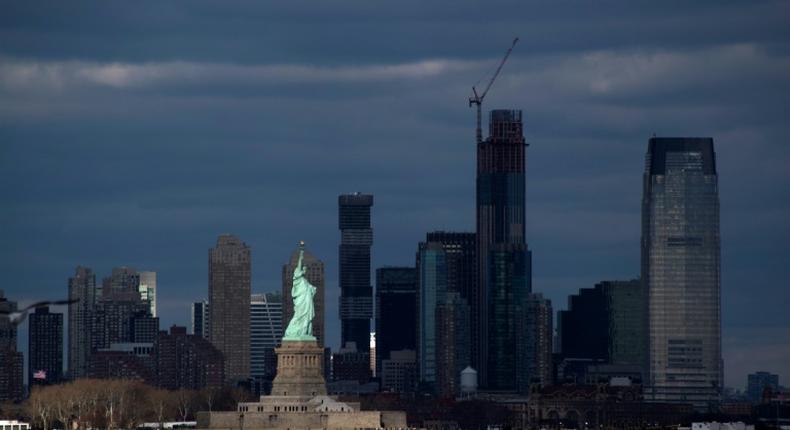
[134, 134]
[360, 31]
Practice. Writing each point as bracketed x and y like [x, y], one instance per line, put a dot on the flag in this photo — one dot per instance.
[41, 374]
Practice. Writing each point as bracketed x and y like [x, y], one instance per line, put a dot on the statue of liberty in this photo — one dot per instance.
[302, 292]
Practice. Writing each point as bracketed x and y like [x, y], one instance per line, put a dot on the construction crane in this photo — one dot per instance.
[477, 99]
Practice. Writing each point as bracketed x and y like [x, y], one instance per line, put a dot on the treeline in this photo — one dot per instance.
[118, 404]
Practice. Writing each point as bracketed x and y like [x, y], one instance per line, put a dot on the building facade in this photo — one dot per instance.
[757, 382]
[119, 316]
[351, 364]
[432, 270]
[199, 318]
[229, 304]
[507, 304]
[399, 371]
[314, 271]
[124, 361]
[185, 361]
[45, 347]
[453, 350]
[266, 330]
[625, 305]
[540, 332]
[84, 292]
[603, 326]
[396, 311]
[681, 270]
[501, 247]
[147, 288]
[11, 360]
[584, 326]
[356, 291]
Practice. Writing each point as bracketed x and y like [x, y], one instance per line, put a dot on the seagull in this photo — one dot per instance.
[18, 316]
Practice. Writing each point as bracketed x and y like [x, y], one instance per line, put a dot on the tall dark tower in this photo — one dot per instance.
[229, 274]
[356, 292]
[503, 259]
[82, 315]
[396, 311]
[45, 347]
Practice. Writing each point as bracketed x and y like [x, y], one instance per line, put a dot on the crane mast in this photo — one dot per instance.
[477, 99]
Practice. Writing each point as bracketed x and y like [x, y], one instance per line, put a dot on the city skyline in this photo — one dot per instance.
[590, 103]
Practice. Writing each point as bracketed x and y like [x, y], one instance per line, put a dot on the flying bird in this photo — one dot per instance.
[18, 316]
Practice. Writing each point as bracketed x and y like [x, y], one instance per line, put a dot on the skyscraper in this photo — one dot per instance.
[45, 347]
[396, 311]
[114, 317]
[356, 292]
[83, 289]
[507, 307]
[539, 331]
[229, 304]
[625, 304]
[7, 330]
[503, 259]
[199, 318]
[432, 272]
[461, 255]
[452, 343]
[147, 288]
[11, 360]
[446, 265]
[681, 271]
[314, 271]
[123, 279]
[266, 332]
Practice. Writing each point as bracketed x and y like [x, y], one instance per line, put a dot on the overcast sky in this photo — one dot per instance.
[133, 133]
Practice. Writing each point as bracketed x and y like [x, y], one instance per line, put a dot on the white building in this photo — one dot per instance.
[13, 425]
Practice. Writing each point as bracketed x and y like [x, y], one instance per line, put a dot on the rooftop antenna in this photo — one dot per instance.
[477, 99]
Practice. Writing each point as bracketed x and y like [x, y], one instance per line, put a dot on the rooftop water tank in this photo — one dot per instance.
[468, 380]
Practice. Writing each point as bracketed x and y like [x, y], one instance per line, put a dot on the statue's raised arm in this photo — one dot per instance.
[301, 255]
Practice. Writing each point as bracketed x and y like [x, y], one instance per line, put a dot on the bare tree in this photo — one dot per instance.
[209, 396]
[185, 400]
[40, 406]
[162, 404]
[62, 403]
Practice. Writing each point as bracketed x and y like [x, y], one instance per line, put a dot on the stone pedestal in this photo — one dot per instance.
[300, 369]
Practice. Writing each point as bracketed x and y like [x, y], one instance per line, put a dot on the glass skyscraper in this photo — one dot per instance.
[681, 271]
[148, 289]
[432, 273]
[266, 331]
[503, 259]
[356, 291]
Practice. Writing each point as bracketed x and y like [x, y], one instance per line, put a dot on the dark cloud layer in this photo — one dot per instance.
[135, 133]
